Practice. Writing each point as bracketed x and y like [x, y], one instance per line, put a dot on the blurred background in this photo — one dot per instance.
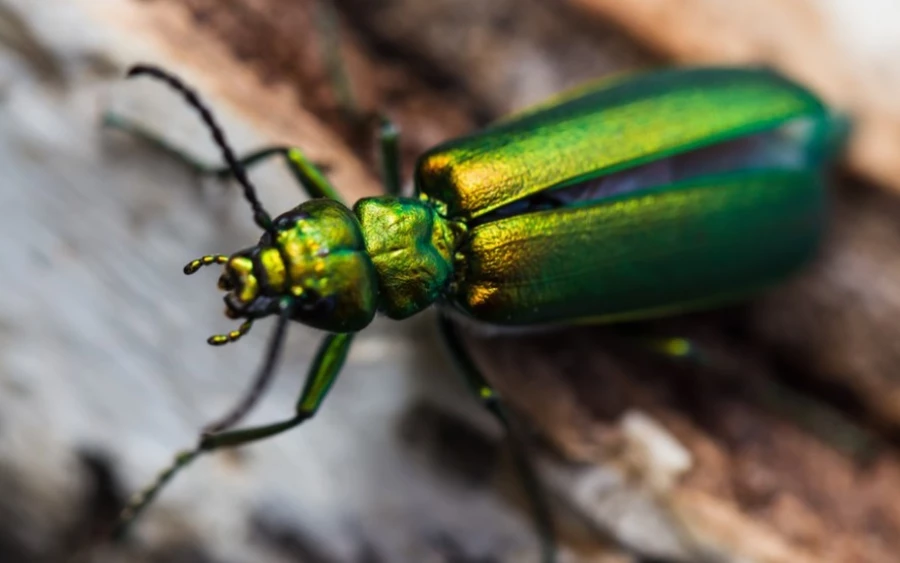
[781, 447]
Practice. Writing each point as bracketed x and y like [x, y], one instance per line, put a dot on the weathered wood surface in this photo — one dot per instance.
[779, 446]
[847, 51]
[104, 368]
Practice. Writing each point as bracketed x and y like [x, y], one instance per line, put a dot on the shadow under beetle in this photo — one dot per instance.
[637, 196]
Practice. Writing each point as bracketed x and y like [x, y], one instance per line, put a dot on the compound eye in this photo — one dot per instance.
[309, 299]
[284, 223]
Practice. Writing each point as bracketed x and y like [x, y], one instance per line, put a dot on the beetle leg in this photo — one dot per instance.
[322, 374]
[263, 376]
[333, 60]
[308, 174]
[818, 418]
[491, 400]
[116, 121]
[324, 371]
[674, 347]
[343, 91]
[388, 144]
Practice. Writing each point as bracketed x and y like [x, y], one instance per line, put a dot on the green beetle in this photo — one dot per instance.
[638, 196]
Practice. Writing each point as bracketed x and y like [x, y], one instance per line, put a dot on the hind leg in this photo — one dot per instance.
[491, 400]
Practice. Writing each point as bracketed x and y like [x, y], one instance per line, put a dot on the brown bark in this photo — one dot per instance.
[789, 427]
[779, 441]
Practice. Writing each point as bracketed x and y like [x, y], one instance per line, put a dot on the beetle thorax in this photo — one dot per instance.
[412, 248]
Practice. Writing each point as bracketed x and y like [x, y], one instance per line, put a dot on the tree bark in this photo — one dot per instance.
[777, 442]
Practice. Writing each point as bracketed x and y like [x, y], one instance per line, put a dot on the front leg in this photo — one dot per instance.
[321, 376]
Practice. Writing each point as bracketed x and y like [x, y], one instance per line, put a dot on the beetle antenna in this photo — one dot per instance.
[207, 260]
[262, 218]
[263, 377]
[228, 337]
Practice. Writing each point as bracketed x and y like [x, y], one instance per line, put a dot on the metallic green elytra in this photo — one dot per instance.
[662, 193]
[638, 196]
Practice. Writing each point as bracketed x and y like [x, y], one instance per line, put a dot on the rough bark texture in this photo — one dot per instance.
[845, 51]
[777, 444]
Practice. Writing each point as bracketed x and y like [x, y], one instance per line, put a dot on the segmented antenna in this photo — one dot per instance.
[208, 260]
[262, 218]
[231, 336]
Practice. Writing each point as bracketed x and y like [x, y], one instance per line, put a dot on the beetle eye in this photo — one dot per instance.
[310, 299]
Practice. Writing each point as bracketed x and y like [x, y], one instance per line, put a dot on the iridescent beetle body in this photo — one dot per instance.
[528, 223]
[640, 196]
